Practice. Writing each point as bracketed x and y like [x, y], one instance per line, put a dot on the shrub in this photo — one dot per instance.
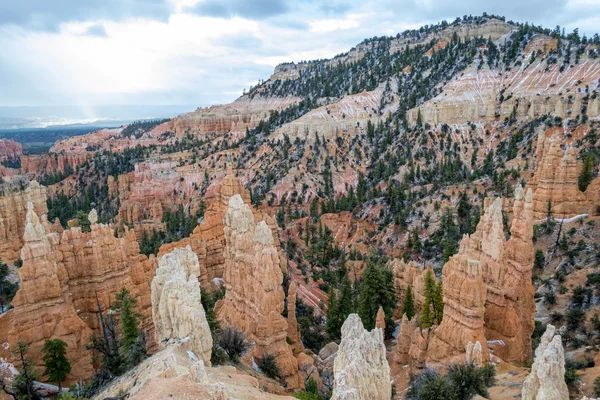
[268, 365]
[597, 387]
[233, 342]
[571, 376]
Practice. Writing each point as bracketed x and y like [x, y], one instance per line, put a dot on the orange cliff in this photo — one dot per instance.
[10, 150]
[488, 295]
[208, 238]
[14, 197]
[60, 279]
[51, 163]
[254, 297]
[555, 180]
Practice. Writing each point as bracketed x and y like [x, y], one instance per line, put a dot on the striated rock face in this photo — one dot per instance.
[64, 279]
[99, 264]
[244, 113]
[208, 238]
[475, 354]
[464, 307]
[43, 306]
[507, 267]
[361, 370]
[555, 180]
[254, 297]
[535, 90]
[404, 340]
[177, 311]
[407, 275]
[50, 163]
[10, 150]
[14, 197]
[547, 378]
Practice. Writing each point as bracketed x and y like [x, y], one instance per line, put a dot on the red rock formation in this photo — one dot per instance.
[51, 163]
[408, 275]
[208, 238]
[14, 197]
[43, 306]
[10, 150]
[464, 307]
[556, 180]
[510, 308]
[254, 297]
[60, 279]
[380, 320]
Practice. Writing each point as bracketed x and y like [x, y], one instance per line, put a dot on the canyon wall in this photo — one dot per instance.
[15, 194]
[244, 113]
[52, 163]
[407, 275]
[254, 297]
[360, 368]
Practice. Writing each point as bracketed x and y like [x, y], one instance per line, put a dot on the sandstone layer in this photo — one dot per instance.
[10, 150]
[547, 378]
[254, 298]
[66, 278]
[361, 370]
[14, 197]
[408, 275]
[177, 309]
[555, 180]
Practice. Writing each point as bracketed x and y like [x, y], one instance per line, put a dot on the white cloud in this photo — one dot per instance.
[330, 25]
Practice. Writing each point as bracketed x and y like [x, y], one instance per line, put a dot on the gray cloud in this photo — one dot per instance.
[257, 9]
[49, 14]
[96, 30]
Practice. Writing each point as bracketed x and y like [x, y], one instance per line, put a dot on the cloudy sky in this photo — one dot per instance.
[201, 52]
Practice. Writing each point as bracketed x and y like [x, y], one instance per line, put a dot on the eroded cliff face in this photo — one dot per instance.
[530, 91]
[63, 281]
[254, 297]
[10, 150]
[14, 197]
[244, 113]
[555, 180]
[547, 378]
[51, 163]
[177, 310]
[43, 306]
[360, 369]
[464, 307]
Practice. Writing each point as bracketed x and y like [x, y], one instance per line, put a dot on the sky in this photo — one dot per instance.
[201, 52]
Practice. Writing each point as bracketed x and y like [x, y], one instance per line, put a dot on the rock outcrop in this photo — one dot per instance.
[43, 306]
[65, 279]
[10, 150]
[177, 311]
[555, 180]
[51, 163]
[404, 340]
[475, 354]
[380, 320]
[361, 370]
[464, 308]
[254, 297]
[547, 378]
[14, 197]
[208, 238]
[407, 275]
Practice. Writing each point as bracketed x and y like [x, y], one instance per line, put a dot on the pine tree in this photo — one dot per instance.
[433, 306]
[408, 307]
[377, 289]
[587, 172]
[333, 326]
[133, 348]
[55, 359]
[23, 382]
[7, 288]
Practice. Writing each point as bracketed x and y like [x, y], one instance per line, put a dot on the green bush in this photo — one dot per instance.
[268, 365]
[233, 342]
[597, 387]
